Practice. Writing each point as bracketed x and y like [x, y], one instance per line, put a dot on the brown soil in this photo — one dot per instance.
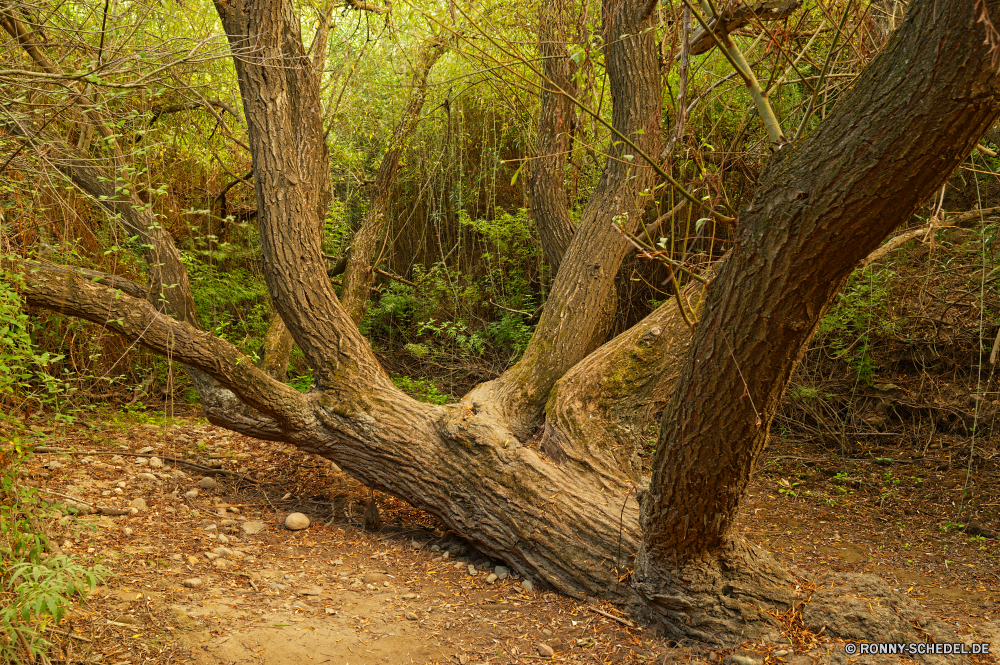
[335, 593]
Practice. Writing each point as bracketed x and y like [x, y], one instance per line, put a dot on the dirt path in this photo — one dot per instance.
[206, 572]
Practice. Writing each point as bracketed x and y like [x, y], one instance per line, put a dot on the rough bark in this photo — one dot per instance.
[549, 202]
[822, 206]
[578, 301]
[359, 274]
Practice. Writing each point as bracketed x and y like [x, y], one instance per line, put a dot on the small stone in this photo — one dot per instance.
[222, 563]
[445, 555]
[155, 462]
[211, 556]
[176, 557]
[545, 651]
[223, 551]
[472, 570]
[740, 660]
[462, 658]
[781, 652]
[146, 476]
[192, 560]
[374, 578]
[336, 562]
[415, 545]
[408, 596]
[128, 531]
[411, 616]
[501, 572]
[296, 522]
[126, 619]
[546, 632]
[139, 504]
[251, 528]
[491, 578]
[212, 527]
[193, 583]
[459, 566]
[527, 585]
[207, 483]
[222, 538]
[146, 450]
[435, 548]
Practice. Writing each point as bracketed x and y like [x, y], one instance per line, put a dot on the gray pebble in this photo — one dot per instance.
[501, 572]
[192, 583]
[528, 586]
[207, 483]
[411, 616]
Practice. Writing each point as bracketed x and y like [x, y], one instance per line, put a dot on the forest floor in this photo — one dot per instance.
[410, 593]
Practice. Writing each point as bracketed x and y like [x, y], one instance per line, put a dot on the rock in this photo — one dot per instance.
[501, 572]
[222, 563]
[459, 566]
[415, 545]
[139, 504]
[435, 548]
[223, 551]
[491, 578]
[207, 483]
[146, 450]
[408, 596]
[222, 538]
[126, 619]
[251, 528]
[192, 561]
[296, 522]
[545, 651]
[193, 583]
[212, 527]
[141, 461]
[472, 570]
[176, 557]
[411, 616]
[740, 660]
[546, 632]
[146, 476]
[527, 585]
[155, 462]
[128, 531]
[374, 578]
[337, 562]
[211, 556]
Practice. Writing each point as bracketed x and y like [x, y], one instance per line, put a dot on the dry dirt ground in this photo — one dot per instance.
[410, 593]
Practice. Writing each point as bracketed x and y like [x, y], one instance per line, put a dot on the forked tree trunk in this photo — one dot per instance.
[561, 517]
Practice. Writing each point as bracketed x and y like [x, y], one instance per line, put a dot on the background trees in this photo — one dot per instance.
[535, 465]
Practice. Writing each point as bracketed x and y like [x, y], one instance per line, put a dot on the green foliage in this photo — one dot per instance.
[232, 302]
[24, 372]
[860, 315]
[423, 390]
[36, 588]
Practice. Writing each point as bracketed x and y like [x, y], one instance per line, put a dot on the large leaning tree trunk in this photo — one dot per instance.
[562, 513]
[822, 206]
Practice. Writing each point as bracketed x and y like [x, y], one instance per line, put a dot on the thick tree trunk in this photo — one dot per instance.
[359, 274]
[822, 206]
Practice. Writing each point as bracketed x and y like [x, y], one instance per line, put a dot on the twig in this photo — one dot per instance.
[104, 510]
[624, 622]
[388, 274]
[75, 637]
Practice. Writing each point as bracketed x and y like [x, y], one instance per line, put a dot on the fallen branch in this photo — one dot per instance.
[899, 241]
[104, 510]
